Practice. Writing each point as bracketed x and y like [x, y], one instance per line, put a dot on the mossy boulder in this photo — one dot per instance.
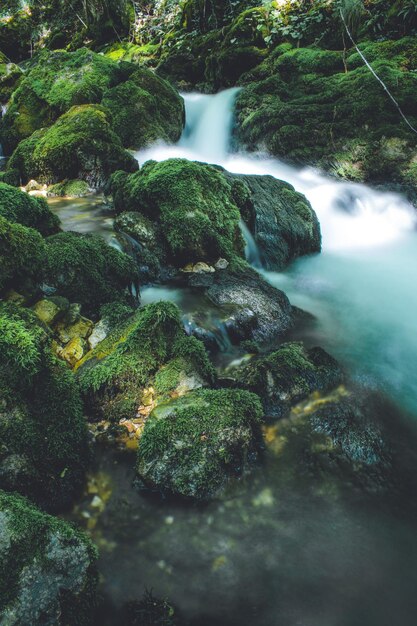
[85, 269]
[80, 145]
[352, 437]
[22, 253]
[43, 449]
[69, 189]
[148, 349]
[10, 75]
[54, 82]
[288, 375]
[17, 206]
[47, 567]
[143, 106]
[193, 446]
[301, 104]
[145, 109]
[282, 221]
[193, 203]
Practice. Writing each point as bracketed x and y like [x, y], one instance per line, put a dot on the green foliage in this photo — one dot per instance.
[85, 269]
[44, 452]
[305, 107]
[113, 376]
[28, 535]
[80, 145]
[22, 252]
[193, 204]
[17, 206]
[193, 445]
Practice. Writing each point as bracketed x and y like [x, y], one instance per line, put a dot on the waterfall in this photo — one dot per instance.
[251, 249]
[362, 286]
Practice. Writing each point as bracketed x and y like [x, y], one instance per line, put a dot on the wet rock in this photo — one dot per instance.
[282, 220]
[194, 445]
[202, 268]
[262, 312]
[221, 264]
[99, 333]
[73, 351]
[51, 575]
[284, 377]
[47, 311]
[80, 330]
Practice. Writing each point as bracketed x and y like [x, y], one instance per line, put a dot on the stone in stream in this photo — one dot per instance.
[291, 373]
[281, 220]
[194, 446]
[47, 568]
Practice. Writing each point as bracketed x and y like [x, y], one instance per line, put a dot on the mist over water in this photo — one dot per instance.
[361, 287]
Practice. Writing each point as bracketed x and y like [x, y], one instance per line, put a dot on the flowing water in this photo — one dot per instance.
[275, 552]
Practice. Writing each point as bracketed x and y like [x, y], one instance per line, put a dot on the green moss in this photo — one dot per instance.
[55, 82]
[195, 444]
[305, 107]
[85, 269]
[36, 546]
[17, 206]
[43, 451]
[289, 374]
[10, 75]
[114, 374]
[144, 109]
[22, 253]
[80, 145]
[70, 189]
[192, 202]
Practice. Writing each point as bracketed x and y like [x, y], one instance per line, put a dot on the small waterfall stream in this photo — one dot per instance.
[272, 552]
[361, 288]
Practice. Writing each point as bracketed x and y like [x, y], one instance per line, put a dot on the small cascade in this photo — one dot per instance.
[209, 124]
[252, 253]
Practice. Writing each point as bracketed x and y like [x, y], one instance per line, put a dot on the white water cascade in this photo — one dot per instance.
[362, 286]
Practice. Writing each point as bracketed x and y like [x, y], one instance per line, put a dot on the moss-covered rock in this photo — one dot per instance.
[47, 568]
[194, 445]
[80, 145]
[17, 206]
[43, 449]
[286, 376]
[85, 269]
[22, 253]
[282, 221]
[70, 189]
[302, 105]
[148, 349]
[10, 75]
[54, 83]
[144, 109]
[192, 202]
[143, 106]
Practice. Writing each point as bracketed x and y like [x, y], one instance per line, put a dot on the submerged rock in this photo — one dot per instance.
[47, 568]
[194, 445]
[284, 377]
